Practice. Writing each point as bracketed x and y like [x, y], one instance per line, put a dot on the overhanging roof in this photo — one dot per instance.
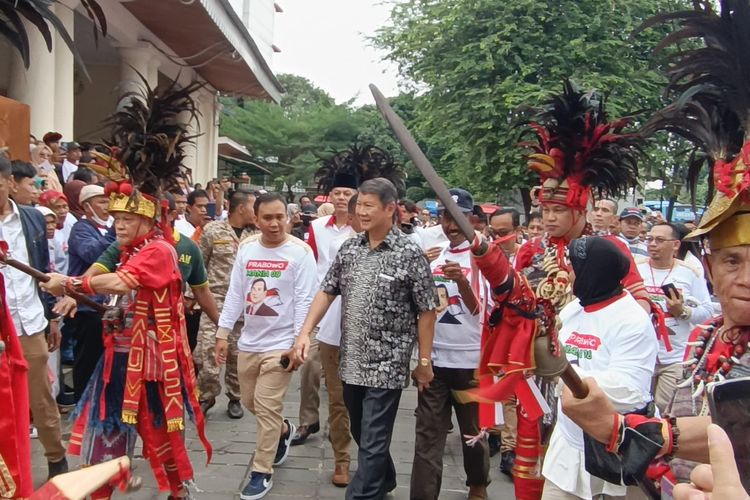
[210, 37]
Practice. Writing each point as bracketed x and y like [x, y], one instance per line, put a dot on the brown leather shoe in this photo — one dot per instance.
[341, 475]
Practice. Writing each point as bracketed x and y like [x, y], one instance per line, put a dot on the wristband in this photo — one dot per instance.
[86, 286]
[222, 333]
[618, 430]
[671, 434]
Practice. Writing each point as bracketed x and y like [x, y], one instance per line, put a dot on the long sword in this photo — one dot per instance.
[558, 365]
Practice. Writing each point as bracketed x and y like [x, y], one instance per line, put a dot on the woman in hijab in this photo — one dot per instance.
[41, 158]
[605, 334]
[73, 192]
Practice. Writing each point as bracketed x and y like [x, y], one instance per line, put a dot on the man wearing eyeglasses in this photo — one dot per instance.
[685, 304]
[504, 226]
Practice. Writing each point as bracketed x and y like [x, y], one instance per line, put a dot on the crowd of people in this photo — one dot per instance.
[342, 291]
[587, 346]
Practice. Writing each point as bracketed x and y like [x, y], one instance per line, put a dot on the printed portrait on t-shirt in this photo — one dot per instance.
[449, 306]
[256, 299]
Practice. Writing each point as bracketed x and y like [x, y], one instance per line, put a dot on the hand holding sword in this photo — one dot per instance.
[50, 283]
[548, 365]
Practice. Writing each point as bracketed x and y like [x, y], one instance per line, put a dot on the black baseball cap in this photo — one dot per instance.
[632, 212]
[463, 199]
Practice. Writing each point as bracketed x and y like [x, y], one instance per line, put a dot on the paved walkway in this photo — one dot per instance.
[307, 471]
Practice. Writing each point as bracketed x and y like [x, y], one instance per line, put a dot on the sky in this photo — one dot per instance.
[324, 41]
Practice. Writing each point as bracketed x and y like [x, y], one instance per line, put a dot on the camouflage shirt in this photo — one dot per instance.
[218, 244]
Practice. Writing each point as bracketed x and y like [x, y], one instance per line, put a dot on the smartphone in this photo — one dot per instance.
[729, 402]
[211, 209]
[285, 362]
[670, 286]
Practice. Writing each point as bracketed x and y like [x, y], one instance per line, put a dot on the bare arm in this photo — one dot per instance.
[206, 300]
[320, 304]
[109, 283]
[693, 443]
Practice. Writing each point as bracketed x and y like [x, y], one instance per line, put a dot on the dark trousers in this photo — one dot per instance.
[372, 413]
[433, 420]
[192, 324]
[87, 328]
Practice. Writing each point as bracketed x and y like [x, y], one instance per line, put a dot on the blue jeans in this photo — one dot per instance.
[372, 413]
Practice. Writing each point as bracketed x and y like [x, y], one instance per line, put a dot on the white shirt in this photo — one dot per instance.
[615, 343]
[432, 236]
[325, 238]
[695, 294]
[458, 332]
[20, 289]
[184, 227]
[70, 220]
[68, 169]
[58, 252]
[273, 288]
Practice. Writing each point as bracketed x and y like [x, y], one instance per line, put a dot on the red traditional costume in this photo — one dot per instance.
[145, 382]
[15, 448]
[577, 153]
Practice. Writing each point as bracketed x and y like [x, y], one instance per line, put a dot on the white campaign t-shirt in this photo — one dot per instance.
[272, 288]
[615, 343]
[325, 238]
[695, 294]
[458, 332]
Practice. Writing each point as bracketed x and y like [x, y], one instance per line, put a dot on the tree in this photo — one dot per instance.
[478, 61]
[290, 138]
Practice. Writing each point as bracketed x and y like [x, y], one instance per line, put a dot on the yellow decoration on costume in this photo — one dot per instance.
[135, 204]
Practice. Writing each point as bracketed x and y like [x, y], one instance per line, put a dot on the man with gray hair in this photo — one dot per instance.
[388, 303]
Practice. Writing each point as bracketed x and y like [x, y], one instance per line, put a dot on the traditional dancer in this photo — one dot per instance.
[713, 111]
[578, 153]
[145, 381]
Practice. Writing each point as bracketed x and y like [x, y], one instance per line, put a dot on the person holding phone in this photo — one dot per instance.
[683, 296]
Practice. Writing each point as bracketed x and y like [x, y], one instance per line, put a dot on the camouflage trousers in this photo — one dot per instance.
[205, 363]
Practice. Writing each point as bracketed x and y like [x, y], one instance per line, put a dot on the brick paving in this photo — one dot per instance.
[307, 471]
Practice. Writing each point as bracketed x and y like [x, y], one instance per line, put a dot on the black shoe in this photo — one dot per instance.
[282, 451]
[494, 444]
[507, 461]
[57, 468]
[207, 405]
[234, 409]
[304, 432]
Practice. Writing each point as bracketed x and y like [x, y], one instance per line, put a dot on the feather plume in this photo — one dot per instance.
[708, 72]
[363, 162]
[39, 13]
[574, 131]
[149, 135]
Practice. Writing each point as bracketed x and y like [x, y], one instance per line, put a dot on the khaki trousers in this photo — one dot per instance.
[309, 384]
[205, 363]
[509, 430]
[338, 416]
[43, 406]
[263, 385]
[666, 378]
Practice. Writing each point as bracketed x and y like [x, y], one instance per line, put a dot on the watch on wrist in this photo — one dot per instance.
[686, 313]
[424, 362]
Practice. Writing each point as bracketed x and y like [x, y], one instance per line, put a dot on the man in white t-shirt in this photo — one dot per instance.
[272, 285]
[455, 356]
[321, 233]
[689, 305]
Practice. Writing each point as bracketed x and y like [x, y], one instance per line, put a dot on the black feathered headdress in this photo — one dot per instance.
[352, 166]
[145, 153]
[708, 84]
[578, 151]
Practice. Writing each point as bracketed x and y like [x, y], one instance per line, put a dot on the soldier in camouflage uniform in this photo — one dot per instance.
[219, 243]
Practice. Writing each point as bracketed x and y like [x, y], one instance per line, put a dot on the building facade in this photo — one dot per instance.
[158, 40]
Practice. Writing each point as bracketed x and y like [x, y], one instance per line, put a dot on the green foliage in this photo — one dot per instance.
[289, 139]
[478, 61]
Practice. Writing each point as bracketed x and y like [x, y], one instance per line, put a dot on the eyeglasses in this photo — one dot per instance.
[659, 240]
